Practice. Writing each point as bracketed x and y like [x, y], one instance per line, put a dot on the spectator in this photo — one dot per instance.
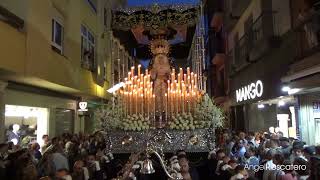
[303, 169]
[35, 147]
[187, 172]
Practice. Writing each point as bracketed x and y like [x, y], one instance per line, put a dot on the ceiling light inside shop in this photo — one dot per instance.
[285, 88]
[260, 106]
[294, 91]
[281, 103]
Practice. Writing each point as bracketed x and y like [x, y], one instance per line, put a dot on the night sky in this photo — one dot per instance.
[150, 2]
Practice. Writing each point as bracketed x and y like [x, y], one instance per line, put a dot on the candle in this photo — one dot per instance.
[154, 106]
[179, 81]
[139, 66]
[182, 102]
[131, 102]
[136, 96]
[148, 102]
[142, 104]
[166, 107]
[129, 74]
[188, 102]
[132, 71]
[195, 81]
[177, 100]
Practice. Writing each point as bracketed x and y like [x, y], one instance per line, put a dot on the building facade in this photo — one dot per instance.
[259, 52]
[54, 54]
[302, 78]
[273, 67]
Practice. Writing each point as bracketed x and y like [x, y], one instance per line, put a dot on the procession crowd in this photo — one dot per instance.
[267, 156]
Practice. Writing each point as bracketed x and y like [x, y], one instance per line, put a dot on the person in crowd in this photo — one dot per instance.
[14, 135]
[257, 139]
[63, 174]
[90, 160]
[227, 170]
[276, 173]
[303, 168]
[297, 151]
[214, 162]
[289, 173]
[309, 151]
[46, 142]
[243, 139]
[93, 166]
[240, 149]
[71, 152]
[59, 159]
[241, 173]
[285, 147]
[251, 160]
[187, 172]
[269, 165]
[35, 149]
[3, 159]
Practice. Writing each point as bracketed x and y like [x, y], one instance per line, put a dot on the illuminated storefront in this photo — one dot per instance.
[260, 103]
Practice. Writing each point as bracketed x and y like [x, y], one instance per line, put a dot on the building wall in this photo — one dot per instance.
[280, 10]
[13, 49]
[254, 8]
[17, 7]
[28, 53]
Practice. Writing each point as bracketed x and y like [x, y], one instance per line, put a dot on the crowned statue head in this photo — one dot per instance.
[160, 46]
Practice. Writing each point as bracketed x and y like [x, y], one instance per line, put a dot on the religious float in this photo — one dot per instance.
[162, 108]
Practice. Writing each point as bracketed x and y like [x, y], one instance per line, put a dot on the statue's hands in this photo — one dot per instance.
[153, 74]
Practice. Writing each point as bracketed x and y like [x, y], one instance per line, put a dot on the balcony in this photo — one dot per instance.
[265, 36]
[307, 44]
[258, 40]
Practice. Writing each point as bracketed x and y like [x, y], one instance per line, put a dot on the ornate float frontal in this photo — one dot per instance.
[162, 104]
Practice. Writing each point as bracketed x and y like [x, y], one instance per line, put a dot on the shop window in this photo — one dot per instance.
[25, 124]
[88, 48]
[57, 36]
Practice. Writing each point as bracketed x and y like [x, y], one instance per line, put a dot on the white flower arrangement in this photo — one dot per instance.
[206, 115]
[210, 114]
[135, 123]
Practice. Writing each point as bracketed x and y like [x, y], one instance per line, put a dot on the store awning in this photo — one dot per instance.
[301, 74]
[307, 84]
